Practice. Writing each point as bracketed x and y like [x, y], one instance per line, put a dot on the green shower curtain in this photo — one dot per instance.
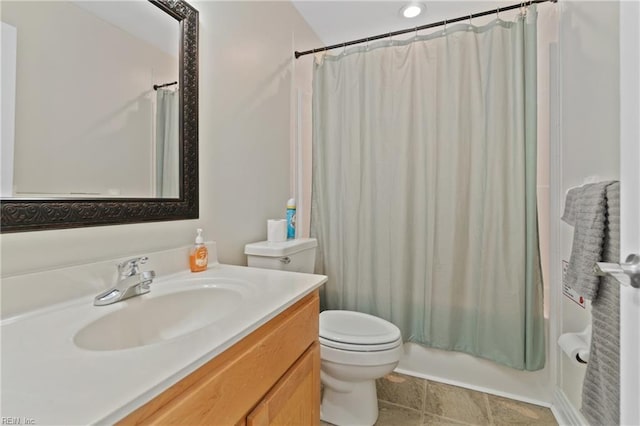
[424, 188]
[167, 143]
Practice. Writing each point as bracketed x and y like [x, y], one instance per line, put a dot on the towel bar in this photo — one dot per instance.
[630, 268]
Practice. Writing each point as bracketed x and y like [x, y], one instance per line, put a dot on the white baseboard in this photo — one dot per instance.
[564, 412]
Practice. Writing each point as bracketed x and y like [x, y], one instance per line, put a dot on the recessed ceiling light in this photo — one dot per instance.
[411, 10]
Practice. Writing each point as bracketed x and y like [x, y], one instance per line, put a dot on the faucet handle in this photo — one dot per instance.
[131, 266]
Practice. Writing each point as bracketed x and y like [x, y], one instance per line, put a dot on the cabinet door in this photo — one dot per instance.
[295, 399]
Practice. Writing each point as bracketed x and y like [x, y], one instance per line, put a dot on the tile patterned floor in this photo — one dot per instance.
[410, 401]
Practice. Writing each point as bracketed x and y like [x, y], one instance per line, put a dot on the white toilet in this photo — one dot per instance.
[355, 348]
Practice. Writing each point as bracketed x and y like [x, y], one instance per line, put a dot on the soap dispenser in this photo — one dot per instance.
[199, 256]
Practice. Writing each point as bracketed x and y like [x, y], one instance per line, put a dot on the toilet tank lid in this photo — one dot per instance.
[285, 248]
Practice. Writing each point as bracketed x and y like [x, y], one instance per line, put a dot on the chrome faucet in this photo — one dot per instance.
[131, 282]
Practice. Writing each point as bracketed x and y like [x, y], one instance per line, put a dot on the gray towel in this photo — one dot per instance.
[601, 387]
[594, 210]
[571, 205]
[585, 209]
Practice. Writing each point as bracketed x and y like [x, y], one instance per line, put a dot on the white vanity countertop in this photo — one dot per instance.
[47, 379]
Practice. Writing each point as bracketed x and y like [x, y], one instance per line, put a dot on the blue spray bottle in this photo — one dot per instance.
[291, 218]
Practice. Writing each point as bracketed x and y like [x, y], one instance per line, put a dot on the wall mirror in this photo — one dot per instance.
[99, 113]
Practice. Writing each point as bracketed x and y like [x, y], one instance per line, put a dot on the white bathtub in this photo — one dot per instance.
[464, 370]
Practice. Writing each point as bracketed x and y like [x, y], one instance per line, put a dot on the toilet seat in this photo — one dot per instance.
[358, 347]
[358, 332]
[330, 355]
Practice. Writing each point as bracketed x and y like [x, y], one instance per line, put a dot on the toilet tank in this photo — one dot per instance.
[298, 255]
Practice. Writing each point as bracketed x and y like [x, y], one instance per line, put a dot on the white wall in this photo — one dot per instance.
[589, 145]
[252, 94]
[245, 84]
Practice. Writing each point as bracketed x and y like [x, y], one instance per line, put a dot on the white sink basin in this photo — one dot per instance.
[157, 317]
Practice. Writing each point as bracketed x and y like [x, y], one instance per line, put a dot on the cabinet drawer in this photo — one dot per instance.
[225, 389]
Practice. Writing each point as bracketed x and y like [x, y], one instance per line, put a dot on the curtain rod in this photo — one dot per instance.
[421, 27]
[158, 86]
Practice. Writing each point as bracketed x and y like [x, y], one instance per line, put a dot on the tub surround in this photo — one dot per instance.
[464, 370]
[79, 386]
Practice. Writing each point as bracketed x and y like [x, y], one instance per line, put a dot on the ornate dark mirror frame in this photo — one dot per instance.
[32, 215]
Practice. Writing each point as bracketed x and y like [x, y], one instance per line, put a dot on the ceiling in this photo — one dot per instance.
[339, 21]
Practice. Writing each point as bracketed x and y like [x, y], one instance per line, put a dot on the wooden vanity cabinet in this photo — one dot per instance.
[271, 377]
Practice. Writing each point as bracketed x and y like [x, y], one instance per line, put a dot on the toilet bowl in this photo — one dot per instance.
[355, 349]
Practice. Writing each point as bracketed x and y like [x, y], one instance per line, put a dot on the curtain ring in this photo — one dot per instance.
[470, 24]
[367, 45]
[390, 39]
[444, 31]
[416, 35]
[344, 49]
[498, 13]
